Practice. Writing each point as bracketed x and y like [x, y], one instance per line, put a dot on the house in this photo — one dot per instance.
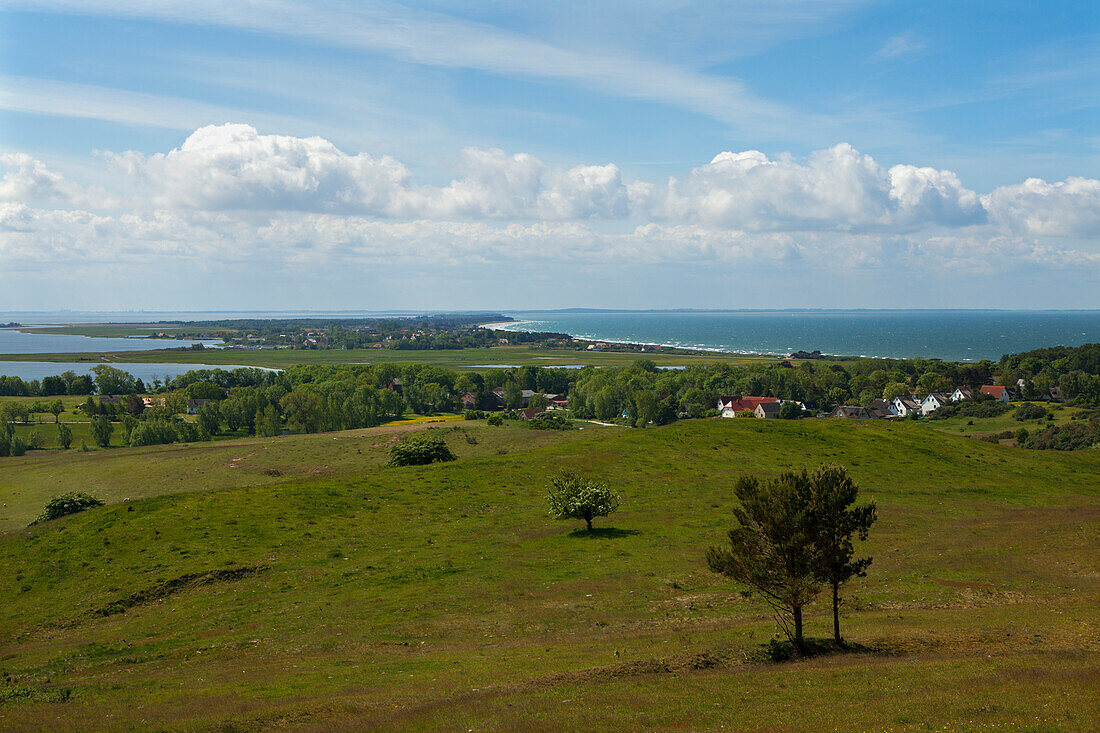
[905, 405]
[469, 401]
[1056, 394]
[962, 393]
[880, 410]
[527, 413]
[996, 391]
[933, 402]
[559, 403]
[194, 405]
[731, 406]
[152, 402]
[498, 394]
[766, 411]
[849, 412]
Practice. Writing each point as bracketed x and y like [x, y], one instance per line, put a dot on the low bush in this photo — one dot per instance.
[1030, 411]
[66, 504]
[419, 450]
[550, 421]
[1071, 436]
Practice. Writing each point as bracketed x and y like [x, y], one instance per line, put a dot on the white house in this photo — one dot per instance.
[962, 393]
[906, 404]
[933, 402]
[996, 391]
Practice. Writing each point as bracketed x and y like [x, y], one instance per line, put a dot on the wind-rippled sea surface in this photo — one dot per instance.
[949, 335]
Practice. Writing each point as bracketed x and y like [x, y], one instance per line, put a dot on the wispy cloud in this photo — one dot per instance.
[900, 45]
[436, 39]
[66, 99]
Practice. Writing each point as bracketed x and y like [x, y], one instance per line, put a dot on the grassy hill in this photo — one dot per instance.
[29, 481]
[443, 597]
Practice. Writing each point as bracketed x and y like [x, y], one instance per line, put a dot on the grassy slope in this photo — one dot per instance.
[31, 480]
[441, 596]
[453, 358]
[957, 425]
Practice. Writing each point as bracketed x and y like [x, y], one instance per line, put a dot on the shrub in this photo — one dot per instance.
[474, 415]
[66, 504]
[17, 447]
[550, 421]
[1030, 411]
[496, 419]
[419, 450]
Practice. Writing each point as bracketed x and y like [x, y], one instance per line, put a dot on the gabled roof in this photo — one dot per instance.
[768, 408]
[741, 404]
[849, 412]
[993, 390]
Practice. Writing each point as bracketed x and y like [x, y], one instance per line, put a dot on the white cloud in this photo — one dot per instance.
[234, 167]
[27, 179]
[230, 195]
[444, 40]
[900, 45]
[1069, 208]
[838, 189]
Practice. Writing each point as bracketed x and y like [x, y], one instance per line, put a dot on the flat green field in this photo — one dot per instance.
[452, 358]
[442, 597]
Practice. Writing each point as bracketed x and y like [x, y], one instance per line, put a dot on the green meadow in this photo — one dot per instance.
[443, 597]
[449, 358]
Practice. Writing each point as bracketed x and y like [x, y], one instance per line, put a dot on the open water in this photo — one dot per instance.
[949, 335]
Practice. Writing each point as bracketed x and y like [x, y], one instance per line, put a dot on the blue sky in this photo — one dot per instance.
[507, 155]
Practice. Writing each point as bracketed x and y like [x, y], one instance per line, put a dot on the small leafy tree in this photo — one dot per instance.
[64, 435]
[421, 449]
[833, 522]
[66, 504]
[56, 408]
[573, 497]
[101, 431]
[267, 422]
[790, 411]
[210, 417]
[770, 550]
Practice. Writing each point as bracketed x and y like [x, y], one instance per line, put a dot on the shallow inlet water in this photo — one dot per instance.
[28, 370]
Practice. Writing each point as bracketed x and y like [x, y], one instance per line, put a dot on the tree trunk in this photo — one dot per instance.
[798, 644]
[836, 614]
[589, 521]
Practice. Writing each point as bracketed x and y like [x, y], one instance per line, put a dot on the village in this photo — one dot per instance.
[901, 406]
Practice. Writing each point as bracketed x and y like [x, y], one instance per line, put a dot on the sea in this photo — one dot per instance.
[969, 335]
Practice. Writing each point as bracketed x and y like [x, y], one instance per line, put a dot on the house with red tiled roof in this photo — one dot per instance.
[996, 391]
[731, 406]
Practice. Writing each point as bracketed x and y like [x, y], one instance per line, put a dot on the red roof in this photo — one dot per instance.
[747, 403]
[993, 390]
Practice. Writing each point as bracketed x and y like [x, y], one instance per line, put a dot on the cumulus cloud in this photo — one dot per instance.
[232, 166]
[27, 179]
[231, 194]
[838, 189]
[1069, 208]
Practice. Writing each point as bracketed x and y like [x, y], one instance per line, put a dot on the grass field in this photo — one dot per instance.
[29, 481]
[442, 597]
[451, 358]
